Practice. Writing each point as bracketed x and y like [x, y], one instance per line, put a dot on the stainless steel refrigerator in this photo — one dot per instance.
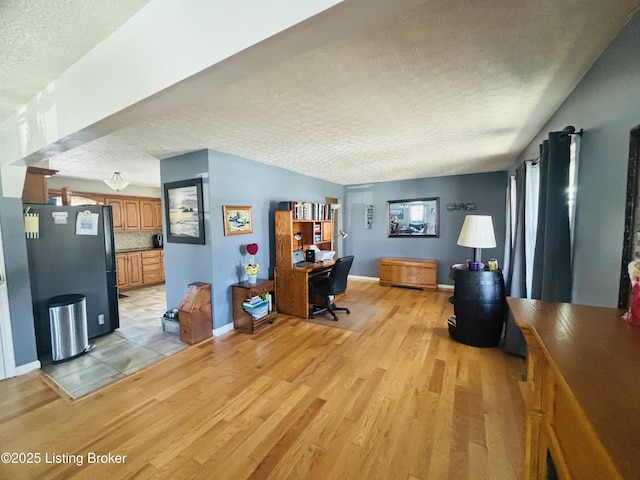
[73, 253]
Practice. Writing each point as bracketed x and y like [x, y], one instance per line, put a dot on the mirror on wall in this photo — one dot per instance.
[413, 218]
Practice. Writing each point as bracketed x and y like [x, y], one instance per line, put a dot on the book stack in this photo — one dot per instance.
[307, 210]
[257, 306]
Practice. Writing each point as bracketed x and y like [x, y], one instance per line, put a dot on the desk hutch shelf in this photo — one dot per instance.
[314, 232]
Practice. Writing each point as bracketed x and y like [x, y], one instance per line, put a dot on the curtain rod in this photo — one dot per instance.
[568, 130]
[571, 130]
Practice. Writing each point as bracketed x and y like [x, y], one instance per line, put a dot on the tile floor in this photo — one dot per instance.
[138, 342]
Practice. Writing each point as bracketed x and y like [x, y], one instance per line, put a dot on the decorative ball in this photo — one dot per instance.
[252, 248]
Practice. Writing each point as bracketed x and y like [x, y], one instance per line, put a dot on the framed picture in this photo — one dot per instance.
[237, 219]
[184, 211]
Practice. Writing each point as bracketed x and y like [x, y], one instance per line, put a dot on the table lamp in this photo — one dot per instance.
[477, 233]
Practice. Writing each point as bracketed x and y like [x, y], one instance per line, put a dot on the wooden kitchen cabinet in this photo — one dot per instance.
[133, 213]
[117, 212]
[136, 269]
[152, 266]
[121, 270]
[129, 269]
[157, 214]
[150, 214]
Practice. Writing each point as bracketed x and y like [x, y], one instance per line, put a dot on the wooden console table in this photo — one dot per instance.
[582, 393]
[409, 272]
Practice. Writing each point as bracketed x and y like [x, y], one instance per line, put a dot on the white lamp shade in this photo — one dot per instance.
[477, 232]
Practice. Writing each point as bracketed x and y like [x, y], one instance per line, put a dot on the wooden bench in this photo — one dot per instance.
[409, 272]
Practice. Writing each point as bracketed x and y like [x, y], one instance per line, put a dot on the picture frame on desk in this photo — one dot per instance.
[184, 211]
[237, 219]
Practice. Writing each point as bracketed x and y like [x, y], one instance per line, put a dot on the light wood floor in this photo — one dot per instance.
[399, 400]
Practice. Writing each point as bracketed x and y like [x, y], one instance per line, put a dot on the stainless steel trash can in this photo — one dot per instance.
[68, 320]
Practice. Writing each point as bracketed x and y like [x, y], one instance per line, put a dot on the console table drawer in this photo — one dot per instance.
[409, 272]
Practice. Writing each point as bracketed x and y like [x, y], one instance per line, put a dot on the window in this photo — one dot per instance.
[572, 190]
[416, 213]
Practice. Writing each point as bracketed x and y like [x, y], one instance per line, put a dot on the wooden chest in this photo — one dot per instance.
[194, 313]
[409, 272]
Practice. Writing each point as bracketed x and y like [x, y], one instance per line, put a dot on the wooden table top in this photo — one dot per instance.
[597, 354]
[316, 265]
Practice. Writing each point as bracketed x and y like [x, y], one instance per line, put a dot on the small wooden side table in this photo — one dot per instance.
[242, 291]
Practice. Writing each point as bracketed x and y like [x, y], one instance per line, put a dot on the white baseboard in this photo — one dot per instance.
[28, 367]
[223, 329]
[360, 277]
[441, 286]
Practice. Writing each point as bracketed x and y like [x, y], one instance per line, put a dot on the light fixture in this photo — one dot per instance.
[477, 233]
[298, 237]
[343, 234]
[116, 182]
[335, 206]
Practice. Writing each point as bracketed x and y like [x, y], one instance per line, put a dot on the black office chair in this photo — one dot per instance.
[331, 285]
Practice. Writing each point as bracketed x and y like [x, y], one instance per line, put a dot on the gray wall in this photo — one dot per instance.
[186, 263]
[19, 290]
[606, 104]
[486, 190]
[238, 181]
[232, 180]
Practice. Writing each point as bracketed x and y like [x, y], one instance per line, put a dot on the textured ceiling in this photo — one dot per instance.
[445, 88]
[40, 39]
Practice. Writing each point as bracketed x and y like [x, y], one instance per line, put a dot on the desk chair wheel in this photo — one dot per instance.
[331, 309]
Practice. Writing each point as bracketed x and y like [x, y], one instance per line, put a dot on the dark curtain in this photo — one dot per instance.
[515, 277]
[552, 258]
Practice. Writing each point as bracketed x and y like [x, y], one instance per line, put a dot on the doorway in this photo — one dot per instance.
[335, 229]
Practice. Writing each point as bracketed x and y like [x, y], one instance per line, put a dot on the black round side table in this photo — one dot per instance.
[479, 305]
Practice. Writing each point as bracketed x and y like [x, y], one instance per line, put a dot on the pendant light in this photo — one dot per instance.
[116, 182]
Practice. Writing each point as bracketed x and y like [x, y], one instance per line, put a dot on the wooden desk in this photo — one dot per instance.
[292, 285]
[582, 392]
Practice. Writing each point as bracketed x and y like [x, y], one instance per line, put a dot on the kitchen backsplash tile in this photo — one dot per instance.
[125, 241]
